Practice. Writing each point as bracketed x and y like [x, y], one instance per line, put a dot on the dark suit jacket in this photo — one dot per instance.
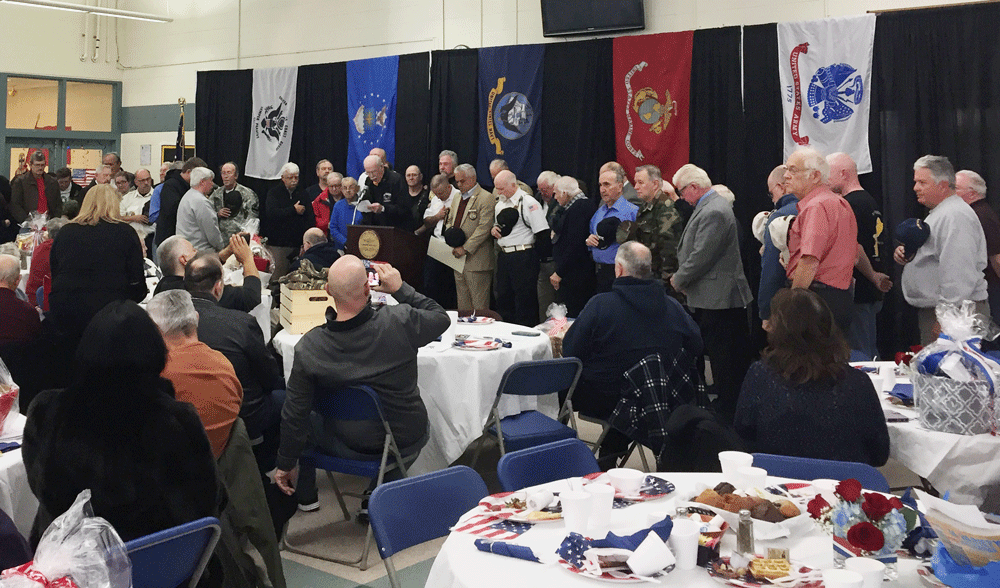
[76, 192]
[569, 251]
[243, 298]
[24, 196]
[237, 335]
[174, 188]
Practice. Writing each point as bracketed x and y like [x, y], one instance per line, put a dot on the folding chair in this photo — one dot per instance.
[605, 427]
[408, 512]
[530, 428]
[807, 468]
[545, 463]
[356, 403]
[166, 559]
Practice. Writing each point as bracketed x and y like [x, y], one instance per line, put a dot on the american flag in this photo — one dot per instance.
[573, 548]
[83, 177]
[491, 525]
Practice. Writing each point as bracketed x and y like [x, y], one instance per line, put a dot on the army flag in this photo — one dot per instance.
[271, 123]
[510, 108]
[652, 82]
[825, 69]
[371, 108]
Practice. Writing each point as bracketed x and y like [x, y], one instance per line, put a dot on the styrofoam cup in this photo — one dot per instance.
[842, 579]
[871, 570]
[732, 461]
[603, 499]
[684, 543]
[576, 507]
[651, 556]
[626, 480]
[751, 477]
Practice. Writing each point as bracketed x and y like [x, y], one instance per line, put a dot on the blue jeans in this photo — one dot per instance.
[862, 335]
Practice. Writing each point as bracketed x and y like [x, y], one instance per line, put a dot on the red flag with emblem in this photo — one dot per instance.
[652, 78]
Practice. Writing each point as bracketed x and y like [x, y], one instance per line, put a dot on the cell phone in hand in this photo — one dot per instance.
[373, 279]
[246, 237]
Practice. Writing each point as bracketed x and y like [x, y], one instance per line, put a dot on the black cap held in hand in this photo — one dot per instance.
[506, 219]
[607, 230]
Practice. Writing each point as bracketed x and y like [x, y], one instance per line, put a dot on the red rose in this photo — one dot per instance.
[816, 505]
[866, 536]
[849, 490]
[896, 503]
[875, 506]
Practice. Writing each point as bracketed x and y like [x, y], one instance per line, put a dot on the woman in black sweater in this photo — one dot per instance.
[95, 259]
[573, 279]
[802, 399]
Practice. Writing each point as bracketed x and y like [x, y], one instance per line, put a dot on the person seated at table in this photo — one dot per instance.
[176, 251]
[617, 329]
[20, 319]
[118, 431]
[317, 249]
[802, 398]
[358, 345]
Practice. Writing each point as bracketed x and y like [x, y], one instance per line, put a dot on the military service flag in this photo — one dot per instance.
[825, 68]
[271, 123]
[510, 108]
[652, 78]
[371, 107]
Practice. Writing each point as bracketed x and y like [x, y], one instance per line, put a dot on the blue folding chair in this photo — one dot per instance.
[40, 297]
[168, 558]
[530, 428]
[545, 463]
[356, 403]
[408, 512]
[807, 468]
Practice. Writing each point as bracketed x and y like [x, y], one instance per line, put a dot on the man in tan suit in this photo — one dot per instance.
[474, 214]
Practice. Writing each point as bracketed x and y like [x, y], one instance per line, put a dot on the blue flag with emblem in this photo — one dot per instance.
[371, 108]
[510, 109]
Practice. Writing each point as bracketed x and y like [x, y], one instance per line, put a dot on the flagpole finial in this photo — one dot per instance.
[181, 101]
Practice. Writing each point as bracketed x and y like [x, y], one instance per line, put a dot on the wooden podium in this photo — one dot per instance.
[402, 249]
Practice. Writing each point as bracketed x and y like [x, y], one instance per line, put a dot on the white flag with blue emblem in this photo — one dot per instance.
[825, 68]
[271, 124]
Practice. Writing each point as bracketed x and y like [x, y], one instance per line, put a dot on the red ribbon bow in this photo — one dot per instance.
[35, 576]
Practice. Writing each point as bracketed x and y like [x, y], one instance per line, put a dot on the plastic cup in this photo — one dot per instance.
[684, 543]
[603, 499]
[872, 570]
[626, 480]
[887, 374]
[732, 461]
[752, 477]
[651, 556]
[842, 579]
[576, 507]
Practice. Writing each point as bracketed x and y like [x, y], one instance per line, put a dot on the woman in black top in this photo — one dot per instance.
[802, 399]
[95, 259]
[574, 278]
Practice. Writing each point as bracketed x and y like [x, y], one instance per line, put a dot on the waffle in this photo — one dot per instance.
[770, 569]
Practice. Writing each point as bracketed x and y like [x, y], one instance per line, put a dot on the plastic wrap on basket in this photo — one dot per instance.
[954, 382]
[78, 550]
[8, 395]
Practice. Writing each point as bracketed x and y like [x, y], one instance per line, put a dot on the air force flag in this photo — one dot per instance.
[371, 107]
[271, 126]
[825, 68]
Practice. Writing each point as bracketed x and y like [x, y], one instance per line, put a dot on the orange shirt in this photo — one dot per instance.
[205, 378]
[826, 229]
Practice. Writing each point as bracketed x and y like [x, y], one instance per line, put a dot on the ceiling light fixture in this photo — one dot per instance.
[97, 10]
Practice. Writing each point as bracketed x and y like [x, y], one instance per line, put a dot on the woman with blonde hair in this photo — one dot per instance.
[95, 259]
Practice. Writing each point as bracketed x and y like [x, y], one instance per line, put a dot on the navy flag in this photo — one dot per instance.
[510, 108]
[371, 108]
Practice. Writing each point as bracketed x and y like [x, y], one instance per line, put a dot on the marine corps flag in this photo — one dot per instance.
[652, 78]
[825, 68]
[510, 108]
[271, 122]
[371, 108]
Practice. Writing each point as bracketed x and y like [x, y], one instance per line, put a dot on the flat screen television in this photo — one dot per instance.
[583, 17]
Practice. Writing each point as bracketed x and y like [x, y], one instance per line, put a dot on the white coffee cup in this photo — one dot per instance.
[576, 507]
[732, 461]
[751, 477]
[842, 579]
[871, 570]
[626, 480]
[603, 499]
[684, 543]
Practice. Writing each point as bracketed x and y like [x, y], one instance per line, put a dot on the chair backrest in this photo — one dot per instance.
[807, 468]
[858, 356]
[542, 376]
[545, 463]
[166, 559]
[353, 403]
[410, 511]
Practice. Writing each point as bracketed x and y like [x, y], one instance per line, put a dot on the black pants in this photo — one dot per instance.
[605, 273]
[841, 303]
[593, 399]
[726, 335]
[439, 283]
[517, 287]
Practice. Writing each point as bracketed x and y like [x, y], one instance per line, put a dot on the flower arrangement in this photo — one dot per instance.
[866, 524]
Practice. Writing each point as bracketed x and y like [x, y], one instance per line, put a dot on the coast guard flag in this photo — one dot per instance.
[510, 109]
[825, 68]
[652, 81]
[371, 107]
[271, 123]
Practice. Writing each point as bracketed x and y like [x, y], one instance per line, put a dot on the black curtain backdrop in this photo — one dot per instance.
[413, 106]
[320, 130]
[578, 128]
[223, 117]
[454, 104]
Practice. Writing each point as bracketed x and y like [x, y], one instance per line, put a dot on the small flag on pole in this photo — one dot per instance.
[179, 148]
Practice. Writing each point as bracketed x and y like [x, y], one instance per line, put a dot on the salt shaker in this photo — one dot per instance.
[744, 534]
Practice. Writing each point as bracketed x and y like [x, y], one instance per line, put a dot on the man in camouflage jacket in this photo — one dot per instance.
[658, 225]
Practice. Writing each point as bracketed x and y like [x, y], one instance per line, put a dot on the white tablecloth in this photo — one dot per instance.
[459, 387]
[966, 465]
[16, 498]
[459, 564]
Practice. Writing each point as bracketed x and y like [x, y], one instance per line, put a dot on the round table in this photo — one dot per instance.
[459, 564]
[16, 498]
[459, 386]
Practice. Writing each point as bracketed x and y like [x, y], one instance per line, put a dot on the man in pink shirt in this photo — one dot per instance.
[823, 239]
